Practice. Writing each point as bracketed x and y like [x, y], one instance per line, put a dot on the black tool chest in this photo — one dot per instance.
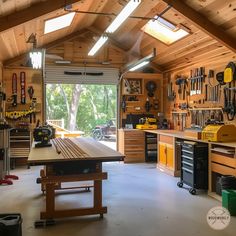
[150, 147]
[194, 166]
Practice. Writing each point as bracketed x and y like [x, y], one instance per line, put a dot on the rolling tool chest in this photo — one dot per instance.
[194, 166]
[150, 147]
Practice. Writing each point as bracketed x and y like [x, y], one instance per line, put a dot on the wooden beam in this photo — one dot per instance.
[156, 67]
[30, 13]
[48, 46]
[203, 23]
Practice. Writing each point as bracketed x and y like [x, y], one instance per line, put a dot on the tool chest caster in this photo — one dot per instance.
[180, 184]
[192, 191]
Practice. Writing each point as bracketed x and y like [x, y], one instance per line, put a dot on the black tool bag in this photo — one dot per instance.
[10, 225]
[225, 182]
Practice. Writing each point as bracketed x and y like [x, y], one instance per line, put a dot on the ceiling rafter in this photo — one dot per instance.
[203, 23]
[48, 46]
[30, 13]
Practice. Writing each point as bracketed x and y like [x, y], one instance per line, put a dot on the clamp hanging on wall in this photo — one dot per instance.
[22, 88]
[14, 90]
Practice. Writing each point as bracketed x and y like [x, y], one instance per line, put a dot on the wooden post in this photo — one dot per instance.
[97, 197]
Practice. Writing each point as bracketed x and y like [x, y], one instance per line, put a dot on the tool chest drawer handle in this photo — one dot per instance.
[187, 163]
[189, 158]
[183, 168]
[187, 151]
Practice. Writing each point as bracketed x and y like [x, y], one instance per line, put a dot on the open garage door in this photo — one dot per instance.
[81, 75]
[82, 101]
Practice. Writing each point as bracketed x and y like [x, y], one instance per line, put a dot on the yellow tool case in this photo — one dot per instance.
[219, 133]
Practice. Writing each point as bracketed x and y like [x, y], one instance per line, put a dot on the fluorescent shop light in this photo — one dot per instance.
[123, 15]
[58, 22]
[142, 62]
[98, 45]
[139, 65]
[36, 59]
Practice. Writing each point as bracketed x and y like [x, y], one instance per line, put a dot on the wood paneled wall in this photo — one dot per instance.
[138, 107]
[33, 78]
[170, 106]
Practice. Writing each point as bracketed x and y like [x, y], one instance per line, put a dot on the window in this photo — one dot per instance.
[58, 23]
[165, 31]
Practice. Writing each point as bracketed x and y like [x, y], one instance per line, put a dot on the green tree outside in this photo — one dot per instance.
[93, 105]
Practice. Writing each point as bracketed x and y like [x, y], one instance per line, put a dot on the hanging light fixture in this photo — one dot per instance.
[36, 55]
[36, 59]
[142, 62]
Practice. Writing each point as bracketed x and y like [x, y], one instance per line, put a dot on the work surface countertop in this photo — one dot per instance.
[181, 135]
[95, 152]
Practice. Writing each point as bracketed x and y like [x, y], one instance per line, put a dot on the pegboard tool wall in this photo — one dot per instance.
[34, 79]
[193, 101]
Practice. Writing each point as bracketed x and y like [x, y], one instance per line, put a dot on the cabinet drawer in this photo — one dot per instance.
[134, 142]
[134, 134]
[187, 159]
[223, 159]
[152, 146]
[134, 157]
[166, 139]
[187, 165]
[224, 170]
[134, 148]
[187, 153]
[187, 146]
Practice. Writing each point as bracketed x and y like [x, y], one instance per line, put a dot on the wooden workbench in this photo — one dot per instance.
[219, 161]
[59, 169]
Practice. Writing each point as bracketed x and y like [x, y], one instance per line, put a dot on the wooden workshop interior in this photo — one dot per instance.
[173, 63]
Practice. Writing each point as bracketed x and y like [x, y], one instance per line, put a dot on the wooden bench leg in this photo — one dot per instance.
[50, 201]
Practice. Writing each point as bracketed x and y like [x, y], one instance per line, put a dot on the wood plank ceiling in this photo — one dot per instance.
[129, 40]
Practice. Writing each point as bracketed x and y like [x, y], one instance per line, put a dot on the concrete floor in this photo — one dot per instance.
[141, 200]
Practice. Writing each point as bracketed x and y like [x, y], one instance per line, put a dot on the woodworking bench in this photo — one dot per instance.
[72, 160]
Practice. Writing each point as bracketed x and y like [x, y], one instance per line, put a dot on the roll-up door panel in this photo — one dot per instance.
[80, 75]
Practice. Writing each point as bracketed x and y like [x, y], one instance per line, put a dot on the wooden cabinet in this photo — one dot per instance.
[222, 161]
[169, 156]
[166, 155]
[131, 144]
[162, 153]
[167, 160]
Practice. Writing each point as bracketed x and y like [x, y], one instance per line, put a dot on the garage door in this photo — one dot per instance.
[80, 75]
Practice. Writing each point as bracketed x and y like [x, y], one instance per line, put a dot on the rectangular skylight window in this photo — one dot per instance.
[164, 31]
[58, 22]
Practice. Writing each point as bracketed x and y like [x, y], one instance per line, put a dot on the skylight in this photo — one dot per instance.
[58, 23]
[164, 31]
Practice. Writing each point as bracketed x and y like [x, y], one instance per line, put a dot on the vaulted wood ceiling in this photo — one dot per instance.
[18, 19]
